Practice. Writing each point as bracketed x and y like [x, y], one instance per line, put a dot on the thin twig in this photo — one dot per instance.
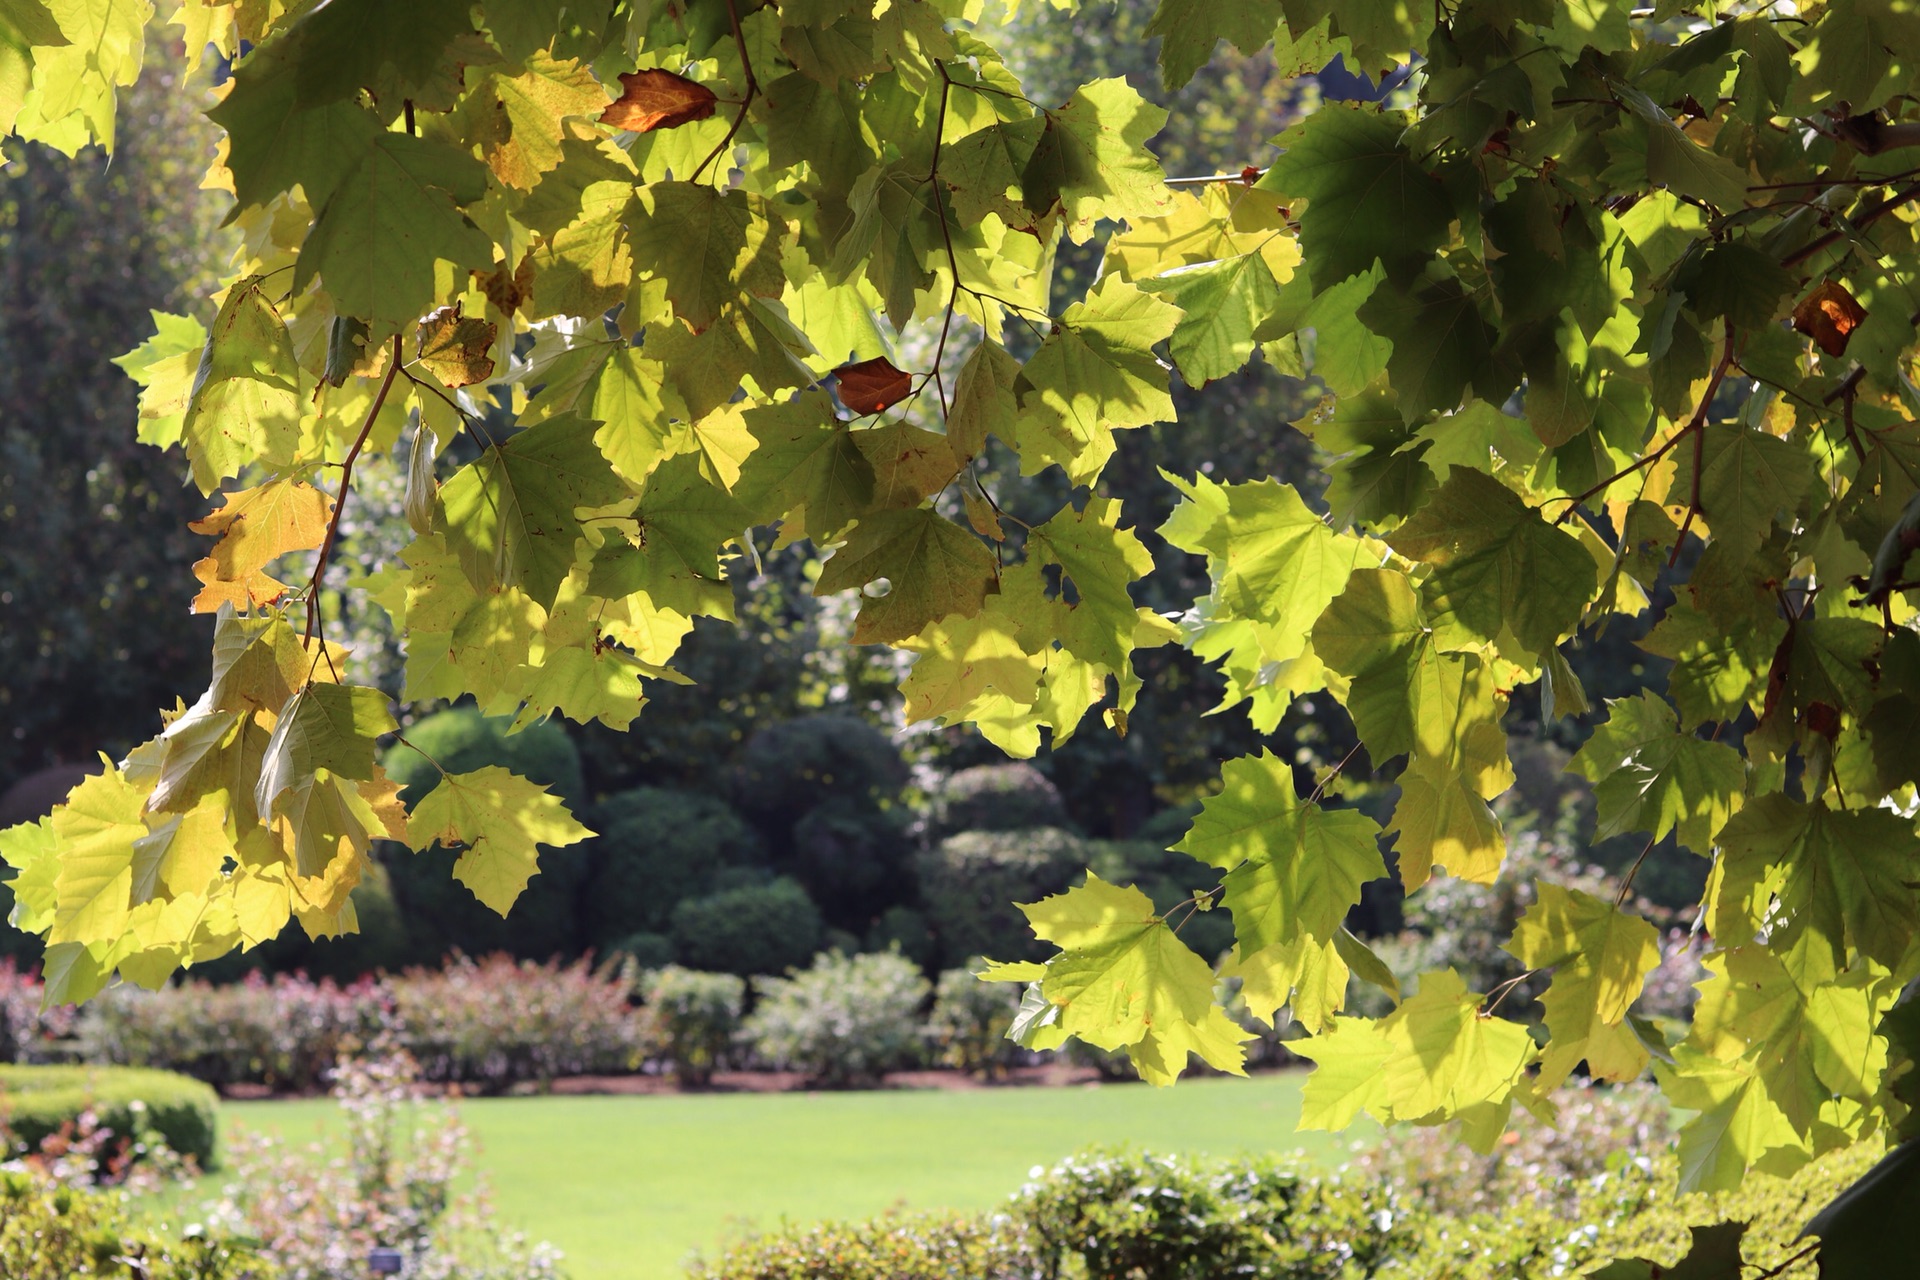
[1698, 426]
[1806, 1251]
[1504, 990]
[340, 501]
[1632, 871]
[1321, 788]
[946, 235]
[746, 99]
[1866, 219]
[1247, 177]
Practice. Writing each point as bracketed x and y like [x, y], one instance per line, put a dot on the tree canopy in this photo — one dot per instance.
[1613, 308]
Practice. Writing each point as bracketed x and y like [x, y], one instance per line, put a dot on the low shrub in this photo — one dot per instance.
[319, 1212]
[695, 1018]
[897, 1246]
[755, 928]
[495, 1023]
[37, 1102]
[53, 1232]
[846, 1020]
[968, 1025]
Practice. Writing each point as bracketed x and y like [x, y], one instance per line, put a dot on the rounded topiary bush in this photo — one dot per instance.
[440, 913]
[755, 928]
[791, 767]
[969, 883]
[35, 1101]
[854, 859]
[994, 797]
[656, 849]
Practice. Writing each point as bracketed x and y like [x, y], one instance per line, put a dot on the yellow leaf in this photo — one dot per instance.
[256, 527]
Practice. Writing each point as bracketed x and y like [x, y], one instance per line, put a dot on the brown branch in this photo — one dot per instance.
[1698, 426]
[946, 235]
[746, 99]
[1866, 219]
[340, 501]
[1247, 177]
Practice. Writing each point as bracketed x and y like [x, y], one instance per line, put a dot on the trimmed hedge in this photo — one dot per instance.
[756, 928]
[36, 1101]
[657, 848]
[994, 797]
[969, 883]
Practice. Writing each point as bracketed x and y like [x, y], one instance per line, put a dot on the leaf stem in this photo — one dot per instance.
[1697, 425]
[746, 99]
[1870, 216]
[340, 502]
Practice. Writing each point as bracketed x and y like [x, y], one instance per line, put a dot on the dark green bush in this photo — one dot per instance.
[755, 928]
[657, 848]
[37, 1101]
[789, 768]
[52, 1232]
[440, 912]
[695, 1018]
[846, 1020]
[854, 859]
[904, 930]
[646, 950]
[969, 883]
[994, 797]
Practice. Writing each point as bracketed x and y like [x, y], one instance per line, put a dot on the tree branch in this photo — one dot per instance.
[1866, 219]
[340, 501]
[746, 99]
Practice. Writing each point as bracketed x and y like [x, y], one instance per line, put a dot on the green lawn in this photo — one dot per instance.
[629, 1186]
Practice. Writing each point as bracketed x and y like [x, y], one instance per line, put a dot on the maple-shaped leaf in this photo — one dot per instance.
[1189, 30]
[32, 849]
[498, 820]
[985, 401]
[1500, 572]
[258, 662]
[1125, 980]
[962, 659]
[871, 386]
[1735, 1125]
[1100, 560]
[1224, 304]
[1307, 976]
[1089, 161]
[1367, 196]
[455, 348]
[1648, 776]
[1746, 478]
[323, 726]
[164, 366]
[932, 569]
[511, 514]
[805, 457]
[910, 464]
[1447, 1057]
[710, 248]
[256, 527]
[1292, 868]
[683, 520]
[1442, 820]
[524, 137]
[395, 213]
[1829, 315]
[1094, 374]
[1843, 876]
[96, 826]
[1348, 1077]
[656, 99]
[1600, 956]
[245, 402]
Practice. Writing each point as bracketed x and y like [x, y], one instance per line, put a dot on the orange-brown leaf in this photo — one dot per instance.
[455, 347]
[505, 289]
[871, 385]
[656, 99]
[256, 527]
[1828, 315]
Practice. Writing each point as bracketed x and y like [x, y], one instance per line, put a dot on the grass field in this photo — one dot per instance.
[630, 1186]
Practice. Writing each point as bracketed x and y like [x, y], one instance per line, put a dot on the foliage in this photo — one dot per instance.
[844, 1020]
[695, 1019]
[657, 848]
[751, 928]
[787, 769]
[970, 1021]
[394, 1186]
[994, 797]
[133, 1102]
[968, 882]
[54, 1232]
[1611, 306]
[899, 1246]
[854, 859]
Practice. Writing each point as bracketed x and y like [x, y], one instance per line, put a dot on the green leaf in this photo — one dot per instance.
[1444, 1056]
[511, 516]
[1714, 1254]
[1096, 373]
[932, 569]
[1648, 776]
[804, 458]
[394, 214]
[1500, 572]
[1125, 980]
[985, 400]
[1367, 198]
[1100, 560]
[96, 827]
[1600, 956]
[1649, 143]
[1091, 162]
[245, 402]
[1349, 1074]
[1746, 477]
[1736, 1124]
[1189, 29]
[1224, 303]
[1292, 868]
[710, 248]
[683, 519]
[323, 726]
[164, 366]
[1842, 876]
[1441, 344]
[501, 819]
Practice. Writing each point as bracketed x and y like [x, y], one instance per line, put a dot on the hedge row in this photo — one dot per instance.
[1174, 1218]
[37, 1102]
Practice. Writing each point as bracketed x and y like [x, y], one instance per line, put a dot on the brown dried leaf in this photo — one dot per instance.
[1828, 315]
[455, 347]
[256, 527]
[508, 290]
[872, 385]
[656, 99]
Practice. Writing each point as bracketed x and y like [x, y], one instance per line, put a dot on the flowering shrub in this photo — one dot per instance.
[695, 1017]
[52, 1231]
[844, 1021]
[970, 1019]
[319, 1214]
